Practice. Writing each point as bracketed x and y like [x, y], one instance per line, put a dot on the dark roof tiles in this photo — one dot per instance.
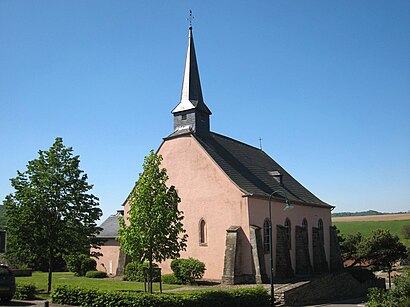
[110, 227]
[248, 167]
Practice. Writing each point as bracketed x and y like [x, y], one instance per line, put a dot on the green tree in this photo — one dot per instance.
[51, 212]
[382, 248]
[153, 230]
[349, 248]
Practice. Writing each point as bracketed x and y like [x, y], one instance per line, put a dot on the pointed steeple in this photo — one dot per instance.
[191, 113]
[191, 93]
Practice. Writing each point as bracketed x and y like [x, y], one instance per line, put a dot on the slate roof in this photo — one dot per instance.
[248, 168]
[191, 93]
[110, 227]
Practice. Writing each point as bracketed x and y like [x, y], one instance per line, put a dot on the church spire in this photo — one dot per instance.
[191, 111]
[191, 93]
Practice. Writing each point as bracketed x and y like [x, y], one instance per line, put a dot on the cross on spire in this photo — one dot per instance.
[190, 18]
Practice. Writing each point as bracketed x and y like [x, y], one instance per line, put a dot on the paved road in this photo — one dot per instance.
[38, 303]
[359, 302]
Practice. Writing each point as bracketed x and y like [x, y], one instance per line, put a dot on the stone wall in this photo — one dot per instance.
[283, 261]
[336, 263]
[319, 256]
[303, 265]
[257, 255]
[335, 286]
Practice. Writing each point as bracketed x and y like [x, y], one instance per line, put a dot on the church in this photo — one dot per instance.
[233, 196]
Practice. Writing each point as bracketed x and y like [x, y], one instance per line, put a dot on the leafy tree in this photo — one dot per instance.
[3, 221]
[51, 212]
[349, 248]
[153, 230]
[382, 248]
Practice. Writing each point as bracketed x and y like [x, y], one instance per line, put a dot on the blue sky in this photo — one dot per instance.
[325, 84]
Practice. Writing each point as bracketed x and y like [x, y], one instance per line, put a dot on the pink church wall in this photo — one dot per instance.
[258, 212]
[109, 261]
[206, 193]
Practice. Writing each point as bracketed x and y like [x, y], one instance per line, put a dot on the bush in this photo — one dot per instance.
[361, 274]
[25, 292]
[171, 279]
[66, 295]
[80, 264]
[398, 296]
[187, 270]
[95, 274]
[134, 271]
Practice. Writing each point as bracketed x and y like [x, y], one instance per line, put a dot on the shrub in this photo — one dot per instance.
[95, 274]
[67, 295]
[187, 270]
[134, 271]
[398, 296]
[25, 292]
[170, 279]
[80, 264]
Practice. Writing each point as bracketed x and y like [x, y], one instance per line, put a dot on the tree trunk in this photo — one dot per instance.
[150, 270]
[50, 272]
[389, 271]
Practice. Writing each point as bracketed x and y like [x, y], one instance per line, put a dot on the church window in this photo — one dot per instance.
[266, 241]
[183, 116]
[288, 232]
[202, 232]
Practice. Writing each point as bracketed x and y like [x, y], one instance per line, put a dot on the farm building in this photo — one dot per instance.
[227, 189]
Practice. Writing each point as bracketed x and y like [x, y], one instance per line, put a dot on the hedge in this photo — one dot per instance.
[187, 270]
[25, 291]
[67, 295]
[134, 271]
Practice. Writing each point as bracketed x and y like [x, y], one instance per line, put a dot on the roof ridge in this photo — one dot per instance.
[242, 143]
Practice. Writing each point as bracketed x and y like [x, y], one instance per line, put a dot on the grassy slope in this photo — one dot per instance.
[39, 279]
[366, 227]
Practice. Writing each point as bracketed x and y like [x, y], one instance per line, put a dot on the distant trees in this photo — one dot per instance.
[154, 230]
[405, 230]
[51, 213]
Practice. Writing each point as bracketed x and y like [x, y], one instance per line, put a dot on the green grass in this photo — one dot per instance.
[365, 228]
[39, 279]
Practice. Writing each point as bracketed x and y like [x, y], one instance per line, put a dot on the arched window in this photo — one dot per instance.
[305, 224]
[266, 241]
[288, 232]
[202, 232]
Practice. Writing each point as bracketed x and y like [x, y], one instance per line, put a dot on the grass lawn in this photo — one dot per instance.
[39, 279]
[366, 227]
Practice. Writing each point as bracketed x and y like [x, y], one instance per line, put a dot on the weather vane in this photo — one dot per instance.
[190, 18]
